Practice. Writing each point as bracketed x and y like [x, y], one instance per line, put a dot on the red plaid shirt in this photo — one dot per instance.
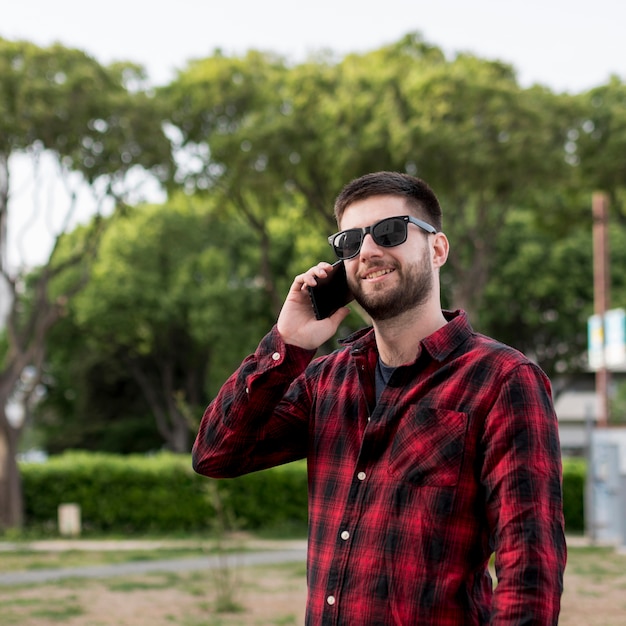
[408, 498]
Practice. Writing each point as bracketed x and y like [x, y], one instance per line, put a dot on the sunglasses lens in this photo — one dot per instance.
[387, 233]
[348, 243]
[390, 232]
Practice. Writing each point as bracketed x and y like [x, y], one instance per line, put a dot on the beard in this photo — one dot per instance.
[413, 288]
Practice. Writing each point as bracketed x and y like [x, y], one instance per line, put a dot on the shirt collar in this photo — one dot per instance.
[439, 345]
[443, 342]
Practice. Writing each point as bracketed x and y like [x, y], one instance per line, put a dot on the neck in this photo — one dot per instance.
[398, 339]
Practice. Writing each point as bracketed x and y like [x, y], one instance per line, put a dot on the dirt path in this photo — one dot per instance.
[261, 595]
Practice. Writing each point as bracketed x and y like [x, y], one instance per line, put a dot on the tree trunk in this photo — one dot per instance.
[469, 286]
[11, 506]
[170, 422]
[4, 209]
[11, 499]
[26, 348]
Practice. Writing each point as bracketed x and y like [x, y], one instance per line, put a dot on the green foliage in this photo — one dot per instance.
[159, 494]
[172, 305]
[61, 103]
[555, 277]
[116, 494]
[264, 134]
[4, 346]
[600, 139]
[541, 295]
[269, 499]
[63, 100]
[574, 476]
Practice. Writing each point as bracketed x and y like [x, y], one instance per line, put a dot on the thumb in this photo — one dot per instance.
[339, 315]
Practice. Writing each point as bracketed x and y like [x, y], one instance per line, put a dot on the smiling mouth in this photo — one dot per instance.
[377, 274]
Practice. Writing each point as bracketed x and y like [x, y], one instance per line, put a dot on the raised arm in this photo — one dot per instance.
[248, 426]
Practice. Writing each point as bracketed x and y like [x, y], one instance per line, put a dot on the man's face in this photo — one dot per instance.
[387, 282]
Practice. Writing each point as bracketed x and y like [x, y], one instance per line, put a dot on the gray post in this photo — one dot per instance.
[622, 498]
[589, 509]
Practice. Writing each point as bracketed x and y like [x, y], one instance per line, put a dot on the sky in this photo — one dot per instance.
[566, 45]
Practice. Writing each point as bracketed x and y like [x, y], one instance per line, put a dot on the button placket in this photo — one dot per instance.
[345, 535]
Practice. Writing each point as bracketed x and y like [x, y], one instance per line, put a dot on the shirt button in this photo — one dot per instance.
[361, 475]
[247, 390]
[276, 356]
[330, 600]
[345, 535]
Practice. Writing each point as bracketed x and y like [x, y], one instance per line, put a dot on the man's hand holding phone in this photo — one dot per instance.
[297, 322]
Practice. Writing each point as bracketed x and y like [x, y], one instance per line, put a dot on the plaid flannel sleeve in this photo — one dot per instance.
[242, 430]
[522, 474]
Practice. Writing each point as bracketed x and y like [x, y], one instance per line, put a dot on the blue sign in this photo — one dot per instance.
[595, 341]
[615, 338]
[607, 340]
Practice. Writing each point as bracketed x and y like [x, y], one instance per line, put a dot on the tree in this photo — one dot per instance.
[265, 135]
[598, 142]
[488, 147]
[264, 131]
[539, 299]
[174, 301]
[211, 108]
[62, 102]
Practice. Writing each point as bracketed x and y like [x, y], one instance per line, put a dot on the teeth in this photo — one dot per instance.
[377, 274]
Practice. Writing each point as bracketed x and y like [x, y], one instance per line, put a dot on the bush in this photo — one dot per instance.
[160, 493]
[574, 476]
[272, 498]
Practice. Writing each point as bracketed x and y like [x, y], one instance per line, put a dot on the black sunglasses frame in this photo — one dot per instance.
[406, 219]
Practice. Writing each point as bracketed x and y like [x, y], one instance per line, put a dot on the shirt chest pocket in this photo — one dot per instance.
[427, 449]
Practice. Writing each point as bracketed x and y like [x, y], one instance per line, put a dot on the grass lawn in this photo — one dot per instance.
[595, 590]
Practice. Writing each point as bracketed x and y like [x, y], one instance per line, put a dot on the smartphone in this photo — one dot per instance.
[331, 292]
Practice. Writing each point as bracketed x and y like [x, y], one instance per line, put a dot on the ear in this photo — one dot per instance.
[440, 249]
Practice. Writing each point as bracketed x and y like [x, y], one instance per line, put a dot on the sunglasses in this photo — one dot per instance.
[390, 232]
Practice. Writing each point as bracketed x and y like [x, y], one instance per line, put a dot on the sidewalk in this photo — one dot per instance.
[242, 542]
[238, 551]
[242, 559]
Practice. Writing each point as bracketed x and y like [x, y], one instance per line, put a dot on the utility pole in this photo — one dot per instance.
[601, 291]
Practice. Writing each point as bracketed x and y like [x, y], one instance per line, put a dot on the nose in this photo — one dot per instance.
[369, 248]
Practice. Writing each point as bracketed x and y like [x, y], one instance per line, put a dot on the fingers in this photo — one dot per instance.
[297, 323]
[308, 279]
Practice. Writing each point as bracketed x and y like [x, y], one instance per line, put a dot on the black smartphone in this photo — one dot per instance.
[331, 292]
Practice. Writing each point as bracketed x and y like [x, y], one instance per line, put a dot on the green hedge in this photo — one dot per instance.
[162, 494]
[574, 476]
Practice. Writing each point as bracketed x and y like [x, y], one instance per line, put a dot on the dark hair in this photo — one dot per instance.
[419, 196]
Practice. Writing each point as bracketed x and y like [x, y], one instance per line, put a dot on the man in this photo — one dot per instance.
[429, 446]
